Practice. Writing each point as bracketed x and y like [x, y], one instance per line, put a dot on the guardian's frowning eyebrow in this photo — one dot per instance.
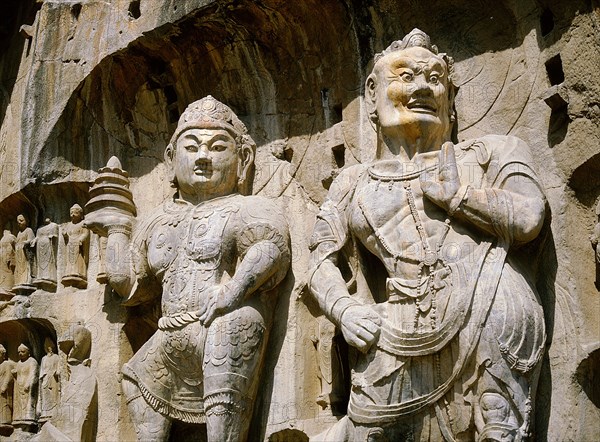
[216, 137]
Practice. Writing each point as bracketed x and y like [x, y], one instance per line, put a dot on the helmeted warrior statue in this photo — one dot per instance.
[217, 257]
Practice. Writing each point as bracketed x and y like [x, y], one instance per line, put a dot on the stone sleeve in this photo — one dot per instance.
[263, 239]
[511, 204]
[330, 234]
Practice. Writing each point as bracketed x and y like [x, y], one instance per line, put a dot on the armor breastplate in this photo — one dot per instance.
[189, 251]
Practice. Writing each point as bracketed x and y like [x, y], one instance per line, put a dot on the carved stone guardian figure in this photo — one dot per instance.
[7, 382]
[449, 332]
[217, 256]
[76, 416]
[49, 384]
[7, 262]
[77, 239]
[46, 249]
[26, 389]
[24, 257]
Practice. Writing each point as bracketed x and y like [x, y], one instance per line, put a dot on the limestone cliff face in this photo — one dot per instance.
[83, 81]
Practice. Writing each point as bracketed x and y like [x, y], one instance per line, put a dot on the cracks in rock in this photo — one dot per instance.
[494, 101]
[151, 157]
[101, 126]
[535, 74]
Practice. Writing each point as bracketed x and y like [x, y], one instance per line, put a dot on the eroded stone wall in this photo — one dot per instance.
[88, 80]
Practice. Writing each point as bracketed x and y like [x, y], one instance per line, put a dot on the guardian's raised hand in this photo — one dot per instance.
[443, 190]
[100, 220]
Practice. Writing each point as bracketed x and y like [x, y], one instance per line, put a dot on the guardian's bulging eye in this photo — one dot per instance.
[407, 76]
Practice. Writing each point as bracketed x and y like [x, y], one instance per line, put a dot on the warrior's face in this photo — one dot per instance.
[409, 92]
[206, 163]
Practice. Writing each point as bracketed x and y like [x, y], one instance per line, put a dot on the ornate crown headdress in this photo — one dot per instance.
[416, 37]
[209, 113]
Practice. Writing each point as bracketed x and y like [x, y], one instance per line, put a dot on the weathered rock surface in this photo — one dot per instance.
[83, 81]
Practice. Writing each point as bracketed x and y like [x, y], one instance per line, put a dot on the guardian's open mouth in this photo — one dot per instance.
[422, 106]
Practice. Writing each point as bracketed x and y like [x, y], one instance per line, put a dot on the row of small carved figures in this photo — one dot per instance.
[28, 392]
[29, 261]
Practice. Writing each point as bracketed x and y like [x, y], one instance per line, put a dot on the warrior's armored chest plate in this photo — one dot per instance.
[205, 238]
[188, 249]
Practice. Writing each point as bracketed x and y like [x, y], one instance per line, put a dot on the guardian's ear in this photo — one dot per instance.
[370, 98]
[246, 153]
[169, 156]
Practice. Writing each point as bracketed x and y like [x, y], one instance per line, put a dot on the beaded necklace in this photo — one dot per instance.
[431, 256]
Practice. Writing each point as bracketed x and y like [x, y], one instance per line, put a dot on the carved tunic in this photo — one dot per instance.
[451, 298]
[77, 240]
[6, 391]
[188, 250]
[25, 393]
[7, 261]
[46, 247]
[23, 259]
[49, 385]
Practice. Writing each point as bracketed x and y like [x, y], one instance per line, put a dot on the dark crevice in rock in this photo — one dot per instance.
[288, 435]
[585, 181]
[588, 376]
[554, 69]
[134, 10]
[546, 22]
[339, 152]
[558, 126]
[76, 10]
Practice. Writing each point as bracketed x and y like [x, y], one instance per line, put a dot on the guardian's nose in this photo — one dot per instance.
[422, 86]
[202, 152]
